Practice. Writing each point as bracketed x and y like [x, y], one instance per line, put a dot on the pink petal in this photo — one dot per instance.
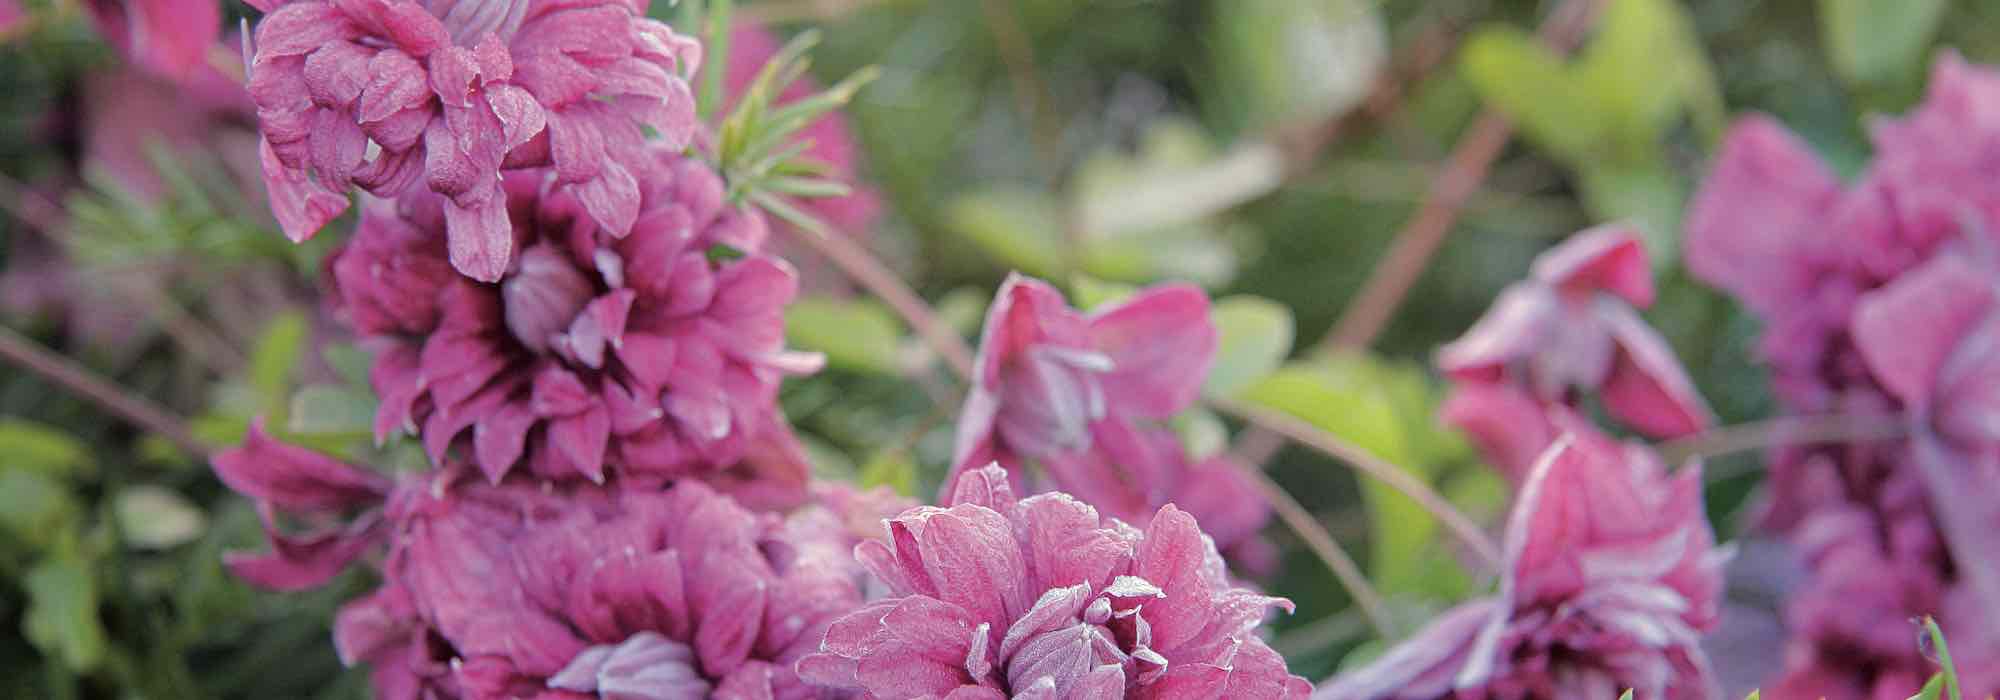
[1608, 258]
[1647, 387]
[1761, 206]
[1909, 329]
[1161, 342]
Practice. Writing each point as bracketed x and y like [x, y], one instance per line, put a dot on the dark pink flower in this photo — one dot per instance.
[829, 139]
[1611, 576]
[285, 479]
[169, 38]
[1569, 328]
[1830, 268]
[1046, 372]
[381, 94]
[1040, 598]
[656, 354]
[12, 18]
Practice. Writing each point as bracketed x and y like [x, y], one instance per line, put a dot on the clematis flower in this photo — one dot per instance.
[1041, 598]
[656, 354]
[1047, 373]
[1130, 472]
[1611, 574]
[1569, 328]
[168, 38]
[382, 94]
[12, 18]
[1827, 266]
[1930, 337]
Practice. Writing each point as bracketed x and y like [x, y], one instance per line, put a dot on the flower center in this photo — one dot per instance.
[541, 299]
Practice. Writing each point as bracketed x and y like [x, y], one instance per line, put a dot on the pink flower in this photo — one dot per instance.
[1046, 373]
[1040, 598]
[1611, 576]
[829, 139]
[1830, 269]
[12, 18]
[383, 93]
[657, 353]
[1569, 328]
[168, 38]
[1130, 472]
[528, 589]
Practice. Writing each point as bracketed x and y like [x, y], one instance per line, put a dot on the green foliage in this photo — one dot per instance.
[1877, 42]
[62, 612]
[856, 335]
[1256, 335]
[1282, 62]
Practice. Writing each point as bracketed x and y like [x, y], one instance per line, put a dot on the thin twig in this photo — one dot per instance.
[1326, 548]
[1464, 170]
[1783, 430]
[26, 353]
[1031, 95]
[1396, 477]
[861, 266]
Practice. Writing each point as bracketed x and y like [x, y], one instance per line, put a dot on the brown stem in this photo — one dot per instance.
[1464, 170]
[1396, 477]
[1783, 430]
[22, 351]
[861, 266]
[1326, 548]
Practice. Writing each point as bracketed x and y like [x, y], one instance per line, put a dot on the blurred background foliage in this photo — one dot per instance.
[1269, 150]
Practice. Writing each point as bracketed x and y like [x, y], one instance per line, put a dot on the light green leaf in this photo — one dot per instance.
[1627, 695]
[61, 619]
[891, 468]
[1522, 78]
[856, 335]
[1650, 196]
[1932, 690]
[34, 506]
[1088, 292]
[152, 517]
[1754, 695]
[1878, 41]
[1948, 672]
[30, 445]
[1020, 227]
[332, 410]
[1256, 335]
[1280, 63]
[1641, 66]
[273, 361]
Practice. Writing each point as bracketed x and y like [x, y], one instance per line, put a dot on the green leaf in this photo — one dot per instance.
[1948, 672]
[30, 445]
[1878, 41]
[61, 619]
[151, 517]
[856, 334]
[34, 507]
[1521, 77]
[1932, 690]
[1088, 292]
[1627, 695]
[1020, 227]
[1640, 67]
[891, 468]
[332, 410]
[274, 360]
[1281, 63]
[1256, 335]
[1754, 695]
[1650, 196]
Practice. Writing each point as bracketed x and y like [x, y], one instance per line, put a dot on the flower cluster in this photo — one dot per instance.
[385, 94]
[1040, 597]
[1611, 574]
[1569, 328]
[658, 352]
[1876, 299]
[1083, 396]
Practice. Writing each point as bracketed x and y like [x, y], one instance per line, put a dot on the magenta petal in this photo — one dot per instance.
[1425, 665]
[1647, 387]
[481, 238]
[1522, 321]
[1762, 203]
[294, 477]
[1172, 558]
[1161, 342]
[301, 205]
[1608, 258]
[1907, 330]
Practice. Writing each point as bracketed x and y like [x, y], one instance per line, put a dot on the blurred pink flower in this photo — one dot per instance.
[1040, 598]
[382, 93]
[1130, 472]
[657, 354]
[12, 18]
[1611, 576]
[830, 138]
[1832, 270]
[1046, 372]
[1569, 328]
[169, 38]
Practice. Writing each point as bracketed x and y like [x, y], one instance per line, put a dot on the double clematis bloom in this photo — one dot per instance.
[527, 590]
[384, 94]
[656, 354]
[1569, 328]
[1611, 574]
[1082, 395]
[995, 597]
[1870, 307]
